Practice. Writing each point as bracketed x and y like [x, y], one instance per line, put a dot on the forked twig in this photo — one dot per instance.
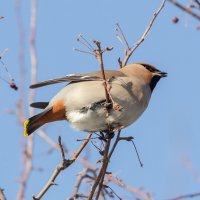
[54, 145]
[61, 166]
[80, 178]
[130, 51]
[93, 168]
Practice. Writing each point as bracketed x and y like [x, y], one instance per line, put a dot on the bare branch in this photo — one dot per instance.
[129, 188]
[28, 152]
[186, 196]
[109, 156]
[102, 170]
[197, 2]
[120, 35]
[54, 145]
[61, 166]
[82, 51]
[115, 144]
[80, 178]
[11, 81]
[106, 186]
[91, 168]
[21, 59]
[185, 9]
[99, 56]
[101, 175]
[99, 180]
[2, 195]
[137, 44]
[191, 168]
[130, 139]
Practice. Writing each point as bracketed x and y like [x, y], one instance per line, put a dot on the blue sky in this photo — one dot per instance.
[166, 133]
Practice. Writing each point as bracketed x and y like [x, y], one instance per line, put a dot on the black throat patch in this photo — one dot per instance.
[154, 82]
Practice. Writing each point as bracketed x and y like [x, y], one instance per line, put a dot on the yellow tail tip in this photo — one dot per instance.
[25, 128]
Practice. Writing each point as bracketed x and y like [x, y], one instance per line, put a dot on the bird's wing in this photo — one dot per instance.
[92, 76]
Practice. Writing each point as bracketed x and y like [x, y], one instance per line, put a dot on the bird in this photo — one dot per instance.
[82, 102]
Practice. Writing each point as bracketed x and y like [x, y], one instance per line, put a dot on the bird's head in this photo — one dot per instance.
[146, 72]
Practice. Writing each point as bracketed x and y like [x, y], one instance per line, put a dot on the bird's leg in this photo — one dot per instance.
[109, 135]
[102, 136]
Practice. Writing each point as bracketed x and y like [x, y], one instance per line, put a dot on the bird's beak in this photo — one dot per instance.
[161, 74]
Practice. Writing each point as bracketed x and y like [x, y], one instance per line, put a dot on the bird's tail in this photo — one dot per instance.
[33, 123]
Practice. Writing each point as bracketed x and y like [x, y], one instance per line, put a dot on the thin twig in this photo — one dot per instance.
[109, 156]
[11, 81]
[2, 195]
[4, 65]
[185, 9]
[122, 37]
[93, 168]
[186, 196]
[137, 44]
[129, 188]
[82, 51]
[85, 42]
[141, 164]
[102, 171]
[191, 168]
[99, 56]
[197, 2]
[106, 186]
[61, 166]
[80, 178]
[102, 177]
[54, 145]
[115, 144]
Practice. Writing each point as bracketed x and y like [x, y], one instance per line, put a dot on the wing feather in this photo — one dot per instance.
[92, 76]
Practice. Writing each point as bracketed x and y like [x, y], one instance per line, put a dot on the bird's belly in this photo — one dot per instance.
[100, 119]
